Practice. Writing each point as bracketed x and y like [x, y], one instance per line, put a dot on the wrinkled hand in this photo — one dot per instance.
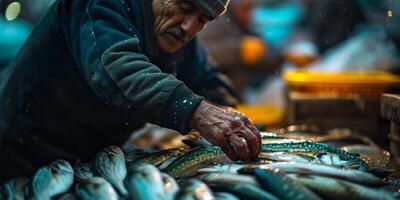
[232, 131]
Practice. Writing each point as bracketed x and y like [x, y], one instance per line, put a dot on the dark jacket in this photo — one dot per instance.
[90, 73]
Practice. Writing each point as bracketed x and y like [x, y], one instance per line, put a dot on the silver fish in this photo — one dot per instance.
[83, 171]
[50, 181]
[221, 168]
[196, 159]
[244, 191]
[95, 188]
[227, 178]
[324, 170]
[68, 196]
[283, 186]
[282, 156]
[110, 164]
[158, 158]
[330, 188]
[145, 182]
[13, 189]
[225, 196]
[194, 189]
[170, 186]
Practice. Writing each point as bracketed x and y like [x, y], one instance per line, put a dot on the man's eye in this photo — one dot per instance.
[187, 7]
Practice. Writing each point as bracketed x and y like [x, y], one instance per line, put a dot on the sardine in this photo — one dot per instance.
[244, 191]
[227, 178]
[110, 164]
[13, 189]
[194, 189]
[196, 159]
[68, 196]
[225, 196]
[83, 171]
[330, 188]
[305, 145]
[50, 181]
[170, 186]
[282, 156]
[159, 157]
[95, 188]
[324, 170]
[145, 182]
[222, 168]
[335, 160]
[193, 143]
[283, 186]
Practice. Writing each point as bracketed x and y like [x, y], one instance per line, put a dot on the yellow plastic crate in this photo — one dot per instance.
[360, 83]
[262, 113]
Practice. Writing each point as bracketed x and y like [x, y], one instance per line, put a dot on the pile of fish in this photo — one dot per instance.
[286, 169]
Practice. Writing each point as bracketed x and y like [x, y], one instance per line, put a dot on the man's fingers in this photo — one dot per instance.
[252, 142]
[228, 149]
[239, 144]
[255, 132]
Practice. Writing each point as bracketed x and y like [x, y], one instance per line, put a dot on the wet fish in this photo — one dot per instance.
[324, 170]
[110, 164]
[225, 196]
[159, 157]
[51, 180]
[282, 186]
[68, 196]
[193, 143]
[305, 145]
[282, 156]
[83, 171]
[95, 188]
[221, 168]
[145, 182]
[13, 189]
[196, 159]
[244, 191]
[227, 178]
[170, 186]
[195, 189]
[330, 188]
[335, 160]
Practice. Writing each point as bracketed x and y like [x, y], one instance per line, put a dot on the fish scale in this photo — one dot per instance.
[194, 159]
[315, 146]
[159, 157]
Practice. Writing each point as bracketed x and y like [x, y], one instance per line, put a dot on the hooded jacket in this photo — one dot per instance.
[90, 73]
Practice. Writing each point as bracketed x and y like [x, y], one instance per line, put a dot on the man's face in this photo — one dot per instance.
[176, 23]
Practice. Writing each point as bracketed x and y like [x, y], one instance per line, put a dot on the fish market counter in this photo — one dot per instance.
[292, 165]
[390, 110]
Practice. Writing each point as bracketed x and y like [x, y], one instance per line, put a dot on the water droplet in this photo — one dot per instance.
[12, 11]
[389, 13]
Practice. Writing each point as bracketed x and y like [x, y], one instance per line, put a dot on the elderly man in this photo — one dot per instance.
[93, 71]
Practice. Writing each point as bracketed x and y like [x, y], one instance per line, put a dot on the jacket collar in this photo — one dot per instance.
[146, 19]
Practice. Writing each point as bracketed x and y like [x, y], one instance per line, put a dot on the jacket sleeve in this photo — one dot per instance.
[111, 60]
[204, 78]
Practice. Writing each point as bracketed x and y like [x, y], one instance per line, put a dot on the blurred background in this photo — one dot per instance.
[292, 61]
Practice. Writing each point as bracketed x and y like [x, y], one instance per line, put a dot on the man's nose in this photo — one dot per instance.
[191, 25]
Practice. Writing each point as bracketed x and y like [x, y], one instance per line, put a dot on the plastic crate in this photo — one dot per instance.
[346, 83]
